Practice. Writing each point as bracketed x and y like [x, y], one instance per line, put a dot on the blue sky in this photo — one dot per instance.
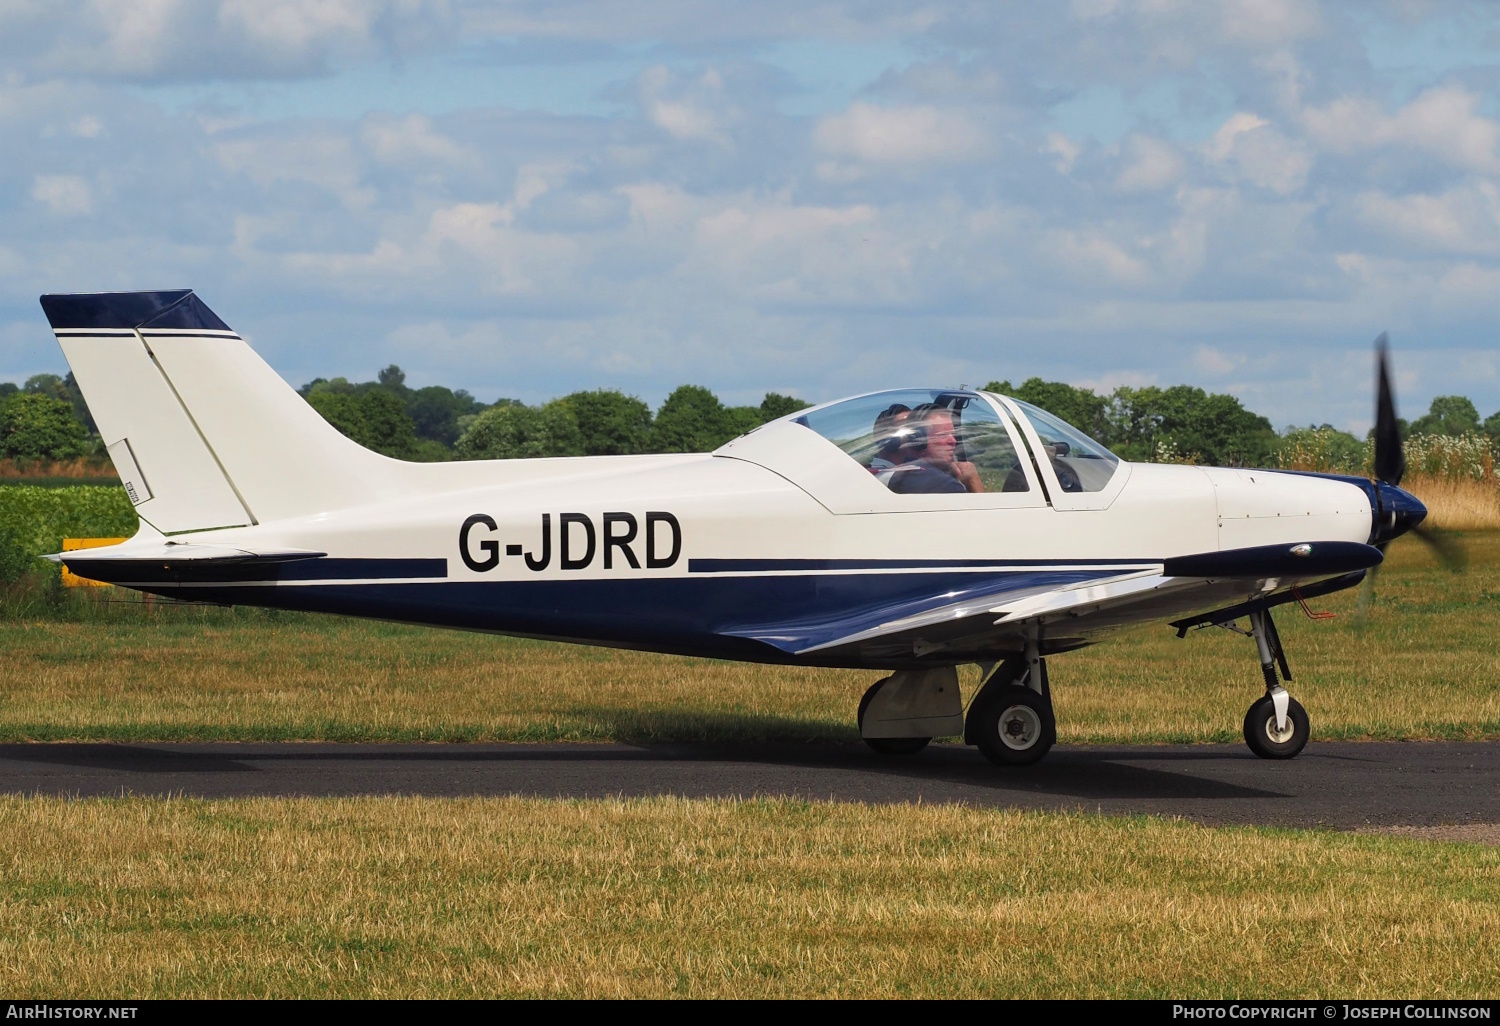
[818, 197]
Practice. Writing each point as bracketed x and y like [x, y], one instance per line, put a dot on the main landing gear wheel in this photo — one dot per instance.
[1262, 735]
[1012, 725]
[888, 745]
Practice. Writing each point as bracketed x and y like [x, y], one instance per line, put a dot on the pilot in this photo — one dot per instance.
[929, 456]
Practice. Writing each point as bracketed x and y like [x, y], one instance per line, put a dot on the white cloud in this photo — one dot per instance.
[215, 39]
[690, 111]
[326, 160]
[1259, 154]
[1089, 257]
[1152, 165]
[1064, 149]
[411, 138]
[1474, 286]
[86, 127]
[1268, 23]
[296, 25]
[1224, 139]
[1464, 220]
[64, 195]
[1443, 121]
[1216, 362]
[782, 252]
[535, 180]
[901, 135]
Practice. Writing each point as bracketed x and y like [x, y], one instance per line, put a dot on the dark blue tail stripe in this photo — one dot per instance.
[137, 571]
[173, 308]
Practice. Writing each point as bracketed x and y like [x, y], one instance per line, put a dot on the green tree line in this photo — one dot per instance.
[47, 419]
[437, 423]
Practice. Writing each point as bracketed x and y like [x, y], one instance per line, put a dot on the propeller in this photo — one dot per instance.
[1399, 511]
[1390, 457]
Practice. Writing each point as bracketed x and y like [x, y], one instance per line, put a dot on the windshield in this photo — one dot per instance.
[1082, 464]
[924, 441]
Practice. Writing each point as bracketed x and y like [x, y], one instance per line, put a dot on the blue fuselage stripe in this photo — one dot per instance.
[326, 569]
[744, 566]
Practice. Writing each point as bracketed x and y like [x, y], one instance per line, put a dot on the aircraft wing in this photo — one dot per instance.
[994, 621]
[977, 625]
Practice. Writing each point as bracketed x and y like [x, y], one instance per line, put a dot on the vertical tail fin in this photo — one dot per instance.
[203, 432]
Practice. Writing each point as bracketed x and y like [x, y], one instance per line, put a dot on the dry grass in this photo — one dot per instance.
[337, 679]
[1424, 666]
[490, 897]
[79, 471]
[1458, 503]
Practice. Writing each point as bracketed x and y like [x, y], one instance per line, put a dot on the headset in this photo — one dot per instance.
[899, 434]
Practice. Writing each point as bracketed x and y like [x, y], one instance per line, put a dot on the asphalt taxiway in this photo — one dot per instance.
[1341, 785]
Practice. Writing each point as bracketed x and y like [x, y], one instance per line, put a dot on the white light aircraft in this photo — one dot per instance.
[911, 531]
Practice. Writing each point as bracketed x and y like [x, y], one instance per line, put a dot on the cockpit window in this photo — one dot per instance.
[922, 441]
[1082, 464]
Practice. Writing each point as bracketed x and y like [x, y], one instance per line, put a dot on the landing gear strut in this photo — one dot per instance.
[1276, 727]
[1011, 720]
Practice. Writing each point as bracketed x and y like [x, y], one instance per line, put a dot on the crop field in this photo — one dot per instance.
[509, 897]
[1423, 665]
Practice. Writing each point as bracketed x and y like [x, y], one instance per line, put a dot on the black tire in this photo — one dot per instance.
[887, 745]
[1260, 729]
[1012, 725]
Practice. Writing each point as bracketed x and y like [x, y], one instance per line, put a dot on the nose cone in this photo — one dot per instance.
[1397, 511]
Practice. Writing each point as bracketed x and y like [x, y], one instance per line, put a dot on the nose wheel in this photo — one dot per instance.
[1271, 737]
[1276, 727]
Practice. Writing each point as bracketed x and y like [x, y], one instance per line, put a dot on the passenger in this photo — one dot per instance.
[929, 464]
[888, 438]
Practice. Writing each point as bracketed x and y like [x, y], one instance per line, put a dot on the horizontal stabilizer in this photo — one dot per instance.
[167, 554]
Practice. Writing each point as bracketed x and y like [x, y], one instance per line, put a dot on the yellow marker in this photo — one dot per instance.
[72, 580]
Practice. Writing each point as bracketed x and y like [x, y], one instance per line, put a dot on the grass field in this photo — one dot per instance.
[1424, 665]
[480, 897]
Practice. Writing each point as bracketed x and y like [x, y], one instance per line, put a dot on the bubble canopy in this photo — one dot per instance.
[936, 441]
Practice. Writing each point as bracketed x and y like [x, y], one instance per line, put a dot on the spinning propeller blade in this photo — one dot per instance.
[1366, 595]
[1448, 549]
[1390, 468]
[1390, 460]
